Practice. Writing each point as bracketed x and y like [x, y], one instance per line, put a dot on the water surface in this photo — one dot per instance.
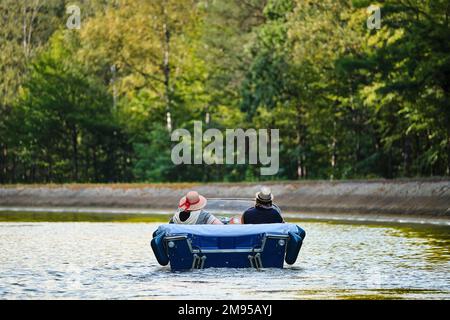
[114, 261]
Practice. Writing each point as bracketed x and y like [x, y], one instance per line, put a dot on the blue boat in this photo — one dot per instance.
[187, 247]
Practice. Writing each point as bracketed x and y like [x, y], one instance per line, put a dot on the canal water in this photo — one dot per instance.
[115, 261]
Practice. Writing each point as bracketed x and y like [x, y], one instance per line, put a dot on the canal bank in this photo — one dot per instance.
[379, 200]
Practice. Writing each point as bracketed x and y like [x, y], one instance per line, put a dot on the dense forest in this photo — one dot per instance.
[98, 103]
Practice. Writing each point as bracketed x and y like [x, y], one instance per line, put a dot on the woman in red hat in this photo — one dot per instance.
[190, 211]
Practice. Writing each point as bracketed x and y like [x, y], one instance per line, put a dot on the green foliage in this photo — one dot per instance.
[92, 104]
[64, 123]
[153, 158]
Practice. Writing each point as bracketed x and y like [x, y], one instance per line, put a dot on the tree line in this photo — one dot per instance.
[97, 104]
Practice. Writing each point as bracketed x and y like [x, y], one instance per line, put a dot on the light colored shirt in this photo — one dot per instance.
[195, 217]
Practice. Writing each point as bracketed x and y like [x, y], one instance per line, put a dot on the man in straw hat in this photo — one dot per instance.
[264, 210]
[190, 211]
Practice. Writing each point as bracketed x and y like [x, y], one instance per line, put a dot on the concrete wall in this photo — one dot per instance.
[425, 198]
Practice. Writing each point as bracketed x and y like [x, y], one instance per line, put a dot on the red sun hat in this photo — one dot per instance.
[192, 201]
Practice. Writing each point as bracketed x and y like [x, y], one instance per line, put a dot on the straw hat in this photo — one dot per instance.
[192, 201]
[265, 195]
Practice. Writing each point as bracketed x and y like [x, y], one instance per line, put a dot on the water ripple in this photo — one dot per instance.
[114, 261]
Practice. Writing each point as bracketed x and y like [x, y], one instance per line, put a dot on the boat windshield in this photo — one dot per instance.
[228, 206]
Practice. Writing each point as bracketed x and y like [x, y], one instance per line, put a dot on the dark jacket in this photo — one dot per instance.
[259, 215]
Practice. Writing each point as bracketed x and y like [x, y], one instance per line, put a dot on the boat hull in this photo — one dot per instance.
[234, 246]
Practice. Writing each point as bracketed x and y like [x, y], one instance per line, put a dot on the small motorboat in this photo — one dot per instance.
[187, 247]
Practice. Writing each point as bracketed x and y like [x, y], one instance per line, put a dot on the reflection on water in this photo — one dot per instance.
[114, 261]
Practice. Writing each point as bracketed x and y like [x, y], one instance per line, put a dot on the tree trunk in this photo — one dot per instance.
[333, 159]
[3, 164]
[301, 166]
[75, 153]
[29, 18]
[114, 87]
[166, 67]
[407, 156]
[390, 174]
[50, 169]
[447, 173]
[13, 170]
[33, 173]
[94, 163]
[448, 156]
[86, 166]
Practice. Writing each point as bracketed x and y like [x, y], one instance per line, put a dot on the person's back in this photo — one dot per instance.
[194, 217]
[258, 215]
[190, 211]
[264, 210]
